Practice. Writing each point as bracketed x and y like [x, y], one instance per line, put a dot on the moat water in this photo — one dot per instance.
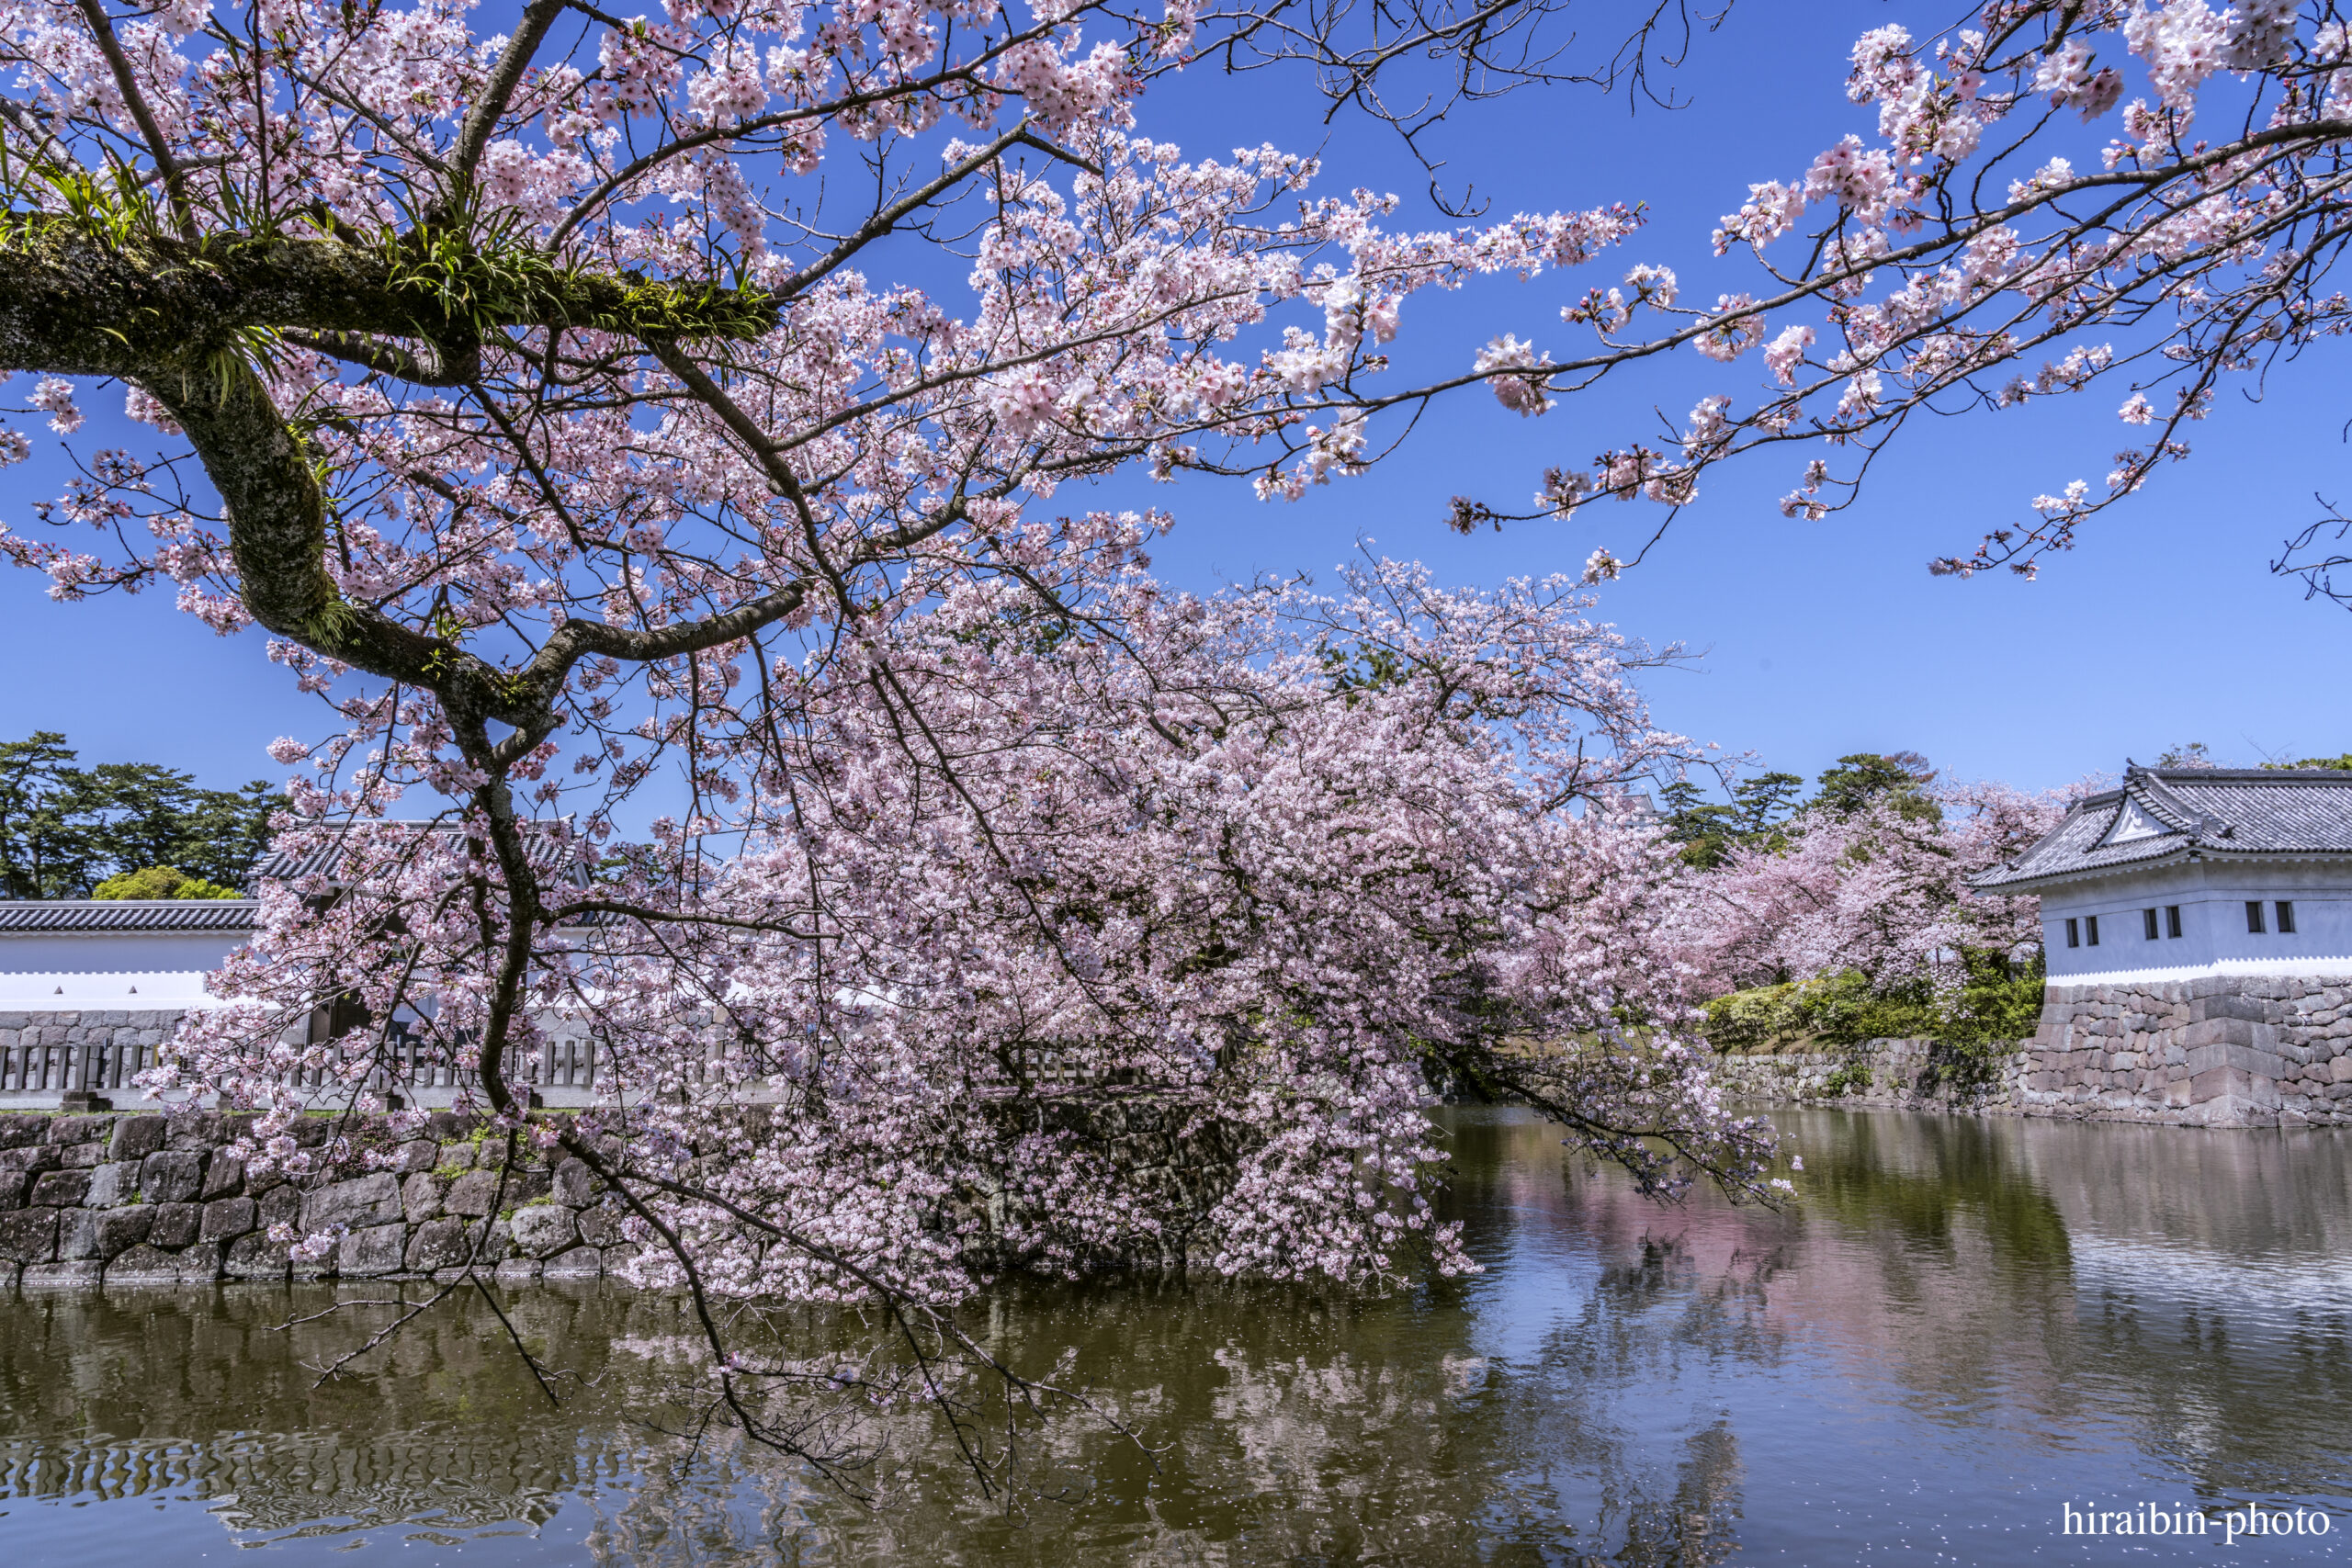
[1964, 1330]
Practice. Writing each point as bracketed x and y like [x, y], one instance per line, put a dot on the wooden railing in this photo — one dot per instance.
[108, 1066]
[567, 1058]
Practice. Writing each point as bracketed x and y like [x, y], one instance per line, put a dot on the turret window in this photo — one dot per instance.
[2092, 922]
[2254, 916]
[2074, 933]
[2286, 917]
[2171, 919]
[2148, 923]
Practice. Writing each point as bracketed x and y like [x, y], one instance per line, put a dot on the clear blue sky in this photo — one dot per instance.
[1818, 638]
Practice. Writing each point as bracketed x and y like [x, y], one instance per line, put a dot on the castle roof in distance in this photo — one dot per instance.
[2163, 816]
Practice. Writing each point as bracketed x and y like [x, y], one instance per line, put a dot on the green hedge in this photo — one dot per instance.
[1997, 1002]
[161, 881]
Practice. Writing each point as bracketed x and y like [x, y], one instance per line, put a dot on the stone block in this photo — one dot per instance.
[17, 1130]
[2245, 1058]
[135, 1137]
[527, 1186]
[61, 1189]
[113, 1185]
[224, 1176]
[471, 1194]
[542, 1230]
[80, 1274]
[418, 1154]
[2230, 1083]
[600, 1226]
[225, 1219]
[421, 1196]
[579, 1263]
[2340, 1069]
[377, 1250]
[176, 1223]
[29, 1236]
[171, 1176]
[82, 1156]
[256, 1256]
[517, 1271]
[2229, 1005]
[372, 1200]
[575, 1184]
[438, 1243]
[197, 1129]
[281, 1205]
[65, 1130]
[2224, 1031]
[101, 1233]
[151, 1265]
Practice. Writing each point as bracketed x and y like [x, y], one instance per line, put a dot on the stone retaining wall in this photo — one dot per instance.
[138, 1199]
[2226, 1051]
[2229, 1051]
[1910, 1074]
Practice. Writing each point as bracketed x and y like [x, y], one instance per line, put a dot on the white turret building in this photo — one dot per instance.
[2198, 928]
[2188, 872]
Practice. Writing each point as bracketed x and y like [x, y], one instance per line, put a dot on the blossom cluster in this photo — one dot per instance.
[2049, 196]
[1152, 951]
[1883, 890]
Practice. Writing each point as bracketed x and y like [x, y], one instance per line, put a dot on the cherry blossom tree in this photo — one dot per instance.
[1134, 936]
[1882, 890]
[943, 897]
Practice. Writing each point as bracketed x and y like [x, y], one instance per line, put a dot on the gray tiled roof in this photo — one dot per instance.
[25, 917]
[548, 851]
[2232, 811]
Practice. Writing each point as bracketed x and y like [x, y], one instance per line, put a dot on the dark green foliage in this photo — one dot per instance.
[1866, 779]
[1707, 830]
[1764, 802]
[1998, 1002]
[1703, 828]
[64, 828]
[160, 882]
[1760, 807]
[2341, 765]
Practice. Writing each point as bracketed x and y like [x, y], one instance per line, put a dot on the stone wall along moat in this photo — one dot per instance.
[145, 1199]
[2227, 1051]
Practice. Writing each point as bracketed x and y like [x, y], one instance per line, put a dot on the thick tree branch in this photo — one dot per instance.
[74, 304]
